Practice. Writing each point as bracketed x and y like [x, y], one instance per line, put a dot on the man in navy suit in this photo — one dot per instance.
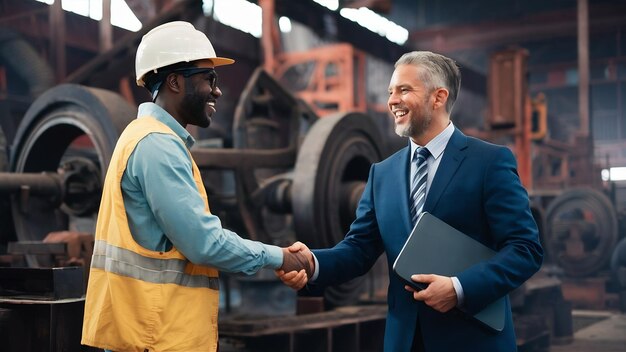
[470, 184]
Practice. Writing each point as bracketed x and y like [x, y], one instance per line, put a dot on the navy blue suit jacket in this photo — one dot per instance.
[476, 190]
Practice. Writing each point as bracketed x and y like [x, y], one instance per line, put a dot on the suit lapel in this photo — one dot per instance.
[451, 160]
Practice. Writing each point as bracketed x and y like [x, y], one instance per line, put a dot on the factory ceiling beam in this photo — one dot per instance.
[57, 39]
[583, 68]
[145, 10]
[105, 27]
[32, 20]
[536, 27]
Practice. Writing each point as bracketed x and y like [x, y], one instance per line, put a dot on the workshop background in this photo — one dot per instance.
[302, 118]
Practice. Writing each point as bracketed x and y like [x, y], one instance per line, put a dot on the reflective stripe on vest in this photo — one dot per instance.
[124, 262]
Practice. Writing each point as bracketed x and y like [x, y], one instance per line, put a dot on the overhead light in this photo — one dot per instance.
[377, 24]
[285, 24]
[239, 14]
[330, 4]
[121, 15]
[614, 174]
[246, 17]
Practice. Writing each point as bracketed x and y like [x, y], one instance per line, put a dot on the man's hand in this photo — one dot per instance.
[294, 260]
[439, 295]
[293, 279]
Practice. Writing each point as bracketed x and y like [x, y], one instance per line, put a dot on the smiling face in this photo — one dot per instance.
[201, 93]
[409, 102]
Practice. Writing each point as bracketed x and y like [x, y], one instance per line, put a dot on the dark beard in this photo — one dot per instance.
[419, 127]
[194, 107]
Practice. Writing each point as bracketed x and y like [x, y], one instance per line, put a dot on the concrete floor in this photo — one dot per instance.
[596, 332]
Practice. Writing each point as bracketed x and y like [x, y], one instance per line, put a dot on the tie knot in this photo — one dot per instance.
[421, 154]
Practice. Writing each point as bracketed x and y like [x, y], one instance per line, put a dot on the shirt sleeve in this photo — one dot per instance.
[458, 289]
[162, 168]
[316, 272]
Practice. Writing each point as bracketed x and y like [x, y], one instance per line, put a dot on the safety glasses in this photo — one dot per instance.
[190, 71]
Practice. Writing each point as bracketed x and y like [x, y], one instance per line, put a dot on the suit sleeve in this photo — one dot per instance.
[513, 231]
[358, 251]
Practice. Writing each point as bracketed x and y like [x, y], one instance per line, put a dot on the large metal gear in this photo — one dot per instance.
[583, 231]
[329, 177]
[69, 134]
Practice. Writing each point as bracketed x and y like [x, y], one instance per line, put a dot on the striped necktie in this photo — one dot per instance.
[418, 182]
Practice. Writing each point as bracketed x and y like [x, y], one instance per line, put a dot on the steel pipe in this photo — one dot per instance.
[40, 184]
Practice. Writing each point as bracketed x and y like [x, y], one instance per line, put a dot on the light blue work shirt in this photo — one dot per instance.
[164, 207]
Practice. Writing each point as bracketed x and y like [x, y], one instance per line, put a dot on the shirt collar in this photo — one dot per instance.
[437, 145]
[153, 110]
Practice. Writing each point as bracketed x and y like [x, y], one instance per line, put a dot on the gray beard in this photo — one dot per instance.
[414, 128]
[404, 131]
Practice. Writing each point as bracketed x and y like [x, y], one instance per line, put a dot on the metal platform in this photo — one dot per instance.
[596, 331]
[346, 329]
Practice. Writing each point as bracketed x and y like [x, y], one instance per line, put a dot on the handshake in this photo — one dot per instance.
[298, 266]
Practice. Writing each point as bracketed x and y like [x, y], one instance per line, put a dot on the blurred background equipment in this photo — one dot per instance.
[302, 118]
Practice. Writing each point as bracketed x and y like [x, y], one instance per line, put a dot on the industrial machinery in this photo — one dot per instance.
[576, 212]
[65, 140]
[287, 176]
[291, 174]
[290, 171]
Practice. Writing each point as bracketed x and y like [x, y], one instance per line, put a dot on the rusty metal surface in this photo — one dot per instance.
[507, 88]
[330, 78]
[586, 293]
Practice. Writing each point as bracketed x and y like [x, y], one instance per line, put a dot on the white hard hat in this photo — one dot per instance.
[171, 43]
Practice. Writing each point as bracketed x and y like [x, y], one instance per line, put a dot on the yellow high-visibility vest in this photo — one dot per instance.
[139, 299]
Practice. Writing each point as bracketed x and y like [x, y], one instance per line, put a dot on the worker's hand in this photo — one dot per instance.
[295, 260]
[293, 279]
[302, 248]
[439, 295]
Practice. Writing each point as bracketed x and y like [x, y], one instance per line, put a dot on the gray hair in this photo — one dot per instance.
[436, 71]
